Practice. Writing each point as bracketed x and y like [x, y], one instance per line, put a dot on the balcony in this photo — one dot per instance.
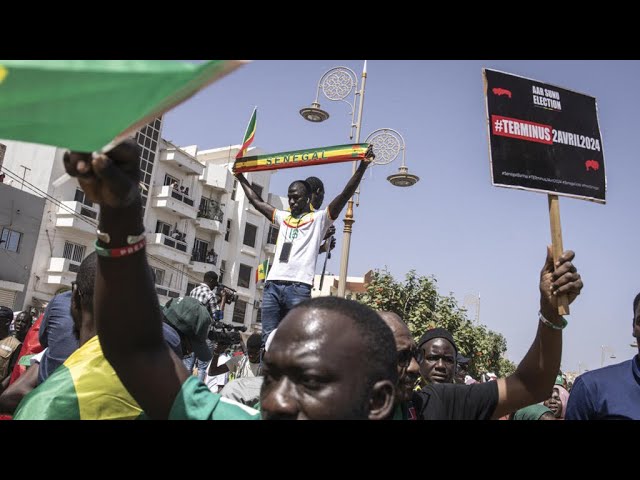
[167, 248]
[269, 248]
[217, 177]
[202, 263]
[167, 198]
[181, 159]
[211, 218]
[68, 217]
[62, 271]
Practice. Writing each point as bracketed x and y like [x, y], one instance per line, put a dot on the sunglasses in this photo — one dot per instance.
[405, 356]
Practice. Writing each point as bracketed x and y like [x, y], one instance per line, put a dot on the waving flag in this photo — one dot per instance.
[248, 135]
[262, 271]
[85, 104]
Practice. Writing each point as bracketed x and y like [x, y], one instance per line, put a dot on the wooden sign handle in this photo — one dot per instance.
[556, 246]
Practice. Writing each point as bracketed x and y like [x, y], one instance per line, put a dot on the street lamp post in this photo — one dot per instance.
[337, 84]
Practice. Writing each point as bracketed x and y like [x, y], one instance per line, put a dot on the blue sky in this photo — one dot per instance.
[453, 224]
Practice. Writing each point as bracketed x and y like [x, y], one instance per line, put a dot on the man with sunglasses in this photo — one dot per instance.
[409, 359]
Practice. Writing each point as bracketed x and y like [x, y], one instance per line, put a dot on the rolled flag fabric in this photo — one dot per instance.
[302, 158]
[84, 105]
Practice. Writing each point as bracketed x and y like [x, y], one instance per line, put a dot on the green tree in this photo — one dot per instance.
[419, 304]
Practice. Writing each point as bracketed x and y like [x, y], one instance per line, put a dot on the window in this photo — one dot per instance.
[226, 235]
[259, 314]
[200, 249]
[10, 240]
[73, 252]
[147, 156]
[163, 228]
[244, 276]
[239, 310]
[235, 189]
[168, 179]
[82, 198]
[204, 206]
[223, 268]
[272, 238]
[190, 286]
[158, 275]
[257, 188]
[250, 235]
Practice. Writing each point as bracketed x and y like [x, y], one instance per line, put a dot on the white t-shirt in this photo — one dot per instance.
[305, 234]
[241, 367]
[215, 381]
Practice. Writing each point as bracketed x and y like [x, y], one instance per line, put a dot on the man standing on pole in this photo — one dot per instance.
[301, 232]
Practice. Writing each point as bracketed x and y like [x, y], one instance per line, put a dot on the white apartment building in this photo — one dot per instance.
[196, 219]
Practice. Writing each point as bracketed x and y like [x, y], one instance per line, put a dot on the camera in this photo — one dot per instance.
[232, 296]
[225, 333]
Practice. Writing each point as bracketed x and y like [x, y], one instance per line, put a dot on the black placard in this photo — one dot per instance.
[543, 138]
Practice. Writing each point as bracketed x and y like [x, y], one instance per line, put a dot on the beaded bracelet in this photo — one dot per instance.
[549, 324]
[121, 251]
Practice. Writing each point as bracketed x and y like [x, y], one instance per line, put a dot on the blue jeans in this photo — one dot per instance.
[277, 300]
[191, 359]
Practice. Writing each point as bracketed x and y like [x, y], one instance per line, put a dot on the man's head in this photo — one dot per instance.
[331, 358]
[253, 347]
[82, 292]
[462, 368]
[191, 320]
[6, 317]
[299, 197]
[409, 355]
[439, 349]
[317, 191]
[211, 279]
[636, 319]
[21, 325]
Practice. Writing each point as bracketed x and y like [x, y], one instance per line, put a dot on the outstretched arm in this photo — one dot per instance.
[131, 339]
[338, 203]
[259, 204]
[532, 382]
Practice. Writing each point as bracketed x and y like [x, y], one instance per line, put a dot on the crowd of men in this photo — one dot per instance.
[322, 358]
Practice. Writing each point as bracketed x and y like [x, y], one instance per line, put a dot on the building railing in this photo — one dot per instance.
[173, 243]
[210, 258]
[212, 212]
[182, 197]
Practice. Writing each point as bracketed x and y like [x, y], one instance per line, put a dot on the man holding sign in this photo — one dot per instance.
[301, 232]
